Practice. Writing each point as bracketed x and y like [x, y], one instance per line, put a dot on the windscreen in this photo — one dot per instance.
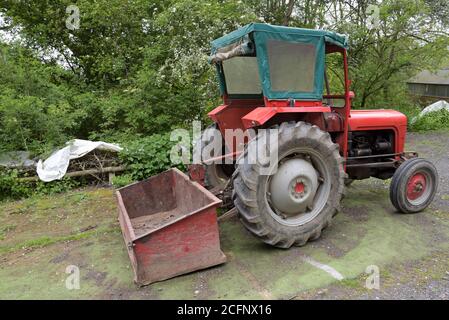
[242, 76]
[291, 65]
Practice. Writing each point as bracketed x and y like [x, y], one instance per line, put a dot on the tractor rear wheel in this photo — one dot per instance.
[414, 185]
[293, 203]
[216, 174]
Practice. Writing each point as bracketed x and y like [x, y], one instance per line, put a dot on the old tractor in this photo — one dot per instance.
[279, 78]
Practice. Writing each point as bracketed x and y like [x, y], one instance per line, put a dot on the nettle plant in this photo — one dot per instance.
[147, 156]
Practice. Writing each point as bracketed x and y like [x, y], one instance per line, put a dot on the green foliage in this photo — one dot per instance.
[148, 156]
[145, 71]
[57, 186]
[33, 108]
[410, 36]
[11, 187]
[122, 180]
[4, 230]
[137, 69]
[106, 45]
[382, 59]
[437, 120]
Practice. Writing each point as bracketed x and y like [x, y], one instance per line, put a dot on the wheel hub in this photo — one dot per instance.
[299, 187]
[416, 186]
[293, 187]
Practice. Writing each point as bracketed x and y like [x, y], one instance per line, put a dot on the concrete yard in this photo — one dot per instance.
[40, 237]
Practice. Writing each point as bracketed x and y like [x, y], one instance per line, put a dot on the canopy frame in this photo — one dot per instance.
[252, 40]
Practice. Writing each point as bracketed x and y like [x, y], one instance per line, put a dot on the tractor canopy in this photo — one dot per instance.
[274, 61]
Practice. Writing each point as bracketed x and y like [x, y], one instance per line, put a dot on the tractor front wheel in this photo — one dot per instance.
[291, 202]
[414, 185]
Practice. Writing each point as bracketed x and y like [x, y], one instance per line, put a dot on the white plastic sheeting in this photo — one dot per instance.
[436, 106]
[55, 167]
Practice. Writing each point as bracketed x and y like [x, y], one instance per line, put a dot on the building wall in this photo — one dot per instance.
[429, 90]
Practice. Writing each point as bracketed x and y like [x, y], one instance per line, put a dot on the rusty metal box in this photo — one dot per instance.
[170, 227]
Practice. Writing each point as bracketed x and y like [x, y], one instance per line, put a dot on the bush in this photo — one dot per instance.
[58, 186]
[11, 187]
[143, 157]
[437, 120]
[122, 180]
[148, 156]
[27, 124]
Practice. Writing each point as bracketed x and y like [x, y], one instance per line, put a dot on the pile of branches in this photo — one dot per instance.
[96, 164]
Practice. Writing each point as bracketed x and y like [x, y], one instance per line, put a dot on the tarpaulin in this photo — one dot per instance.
[55, 167]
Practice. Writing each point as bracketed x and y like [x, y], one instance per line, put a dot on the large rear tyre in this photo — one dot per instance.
[293, 204]
[414, 185]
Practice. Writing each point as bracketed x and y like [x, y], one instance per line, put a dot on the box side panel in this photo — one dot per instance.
[190, 244]
[188, 197]
[128, 242]
[150, 196]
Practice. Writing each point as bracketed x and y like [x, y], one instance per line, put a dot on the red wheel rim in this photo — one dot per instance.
[416, 186]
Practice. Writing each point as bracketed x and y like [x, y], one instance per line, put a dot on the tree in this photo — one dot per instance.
[104, 49]
[407, 37]
[139, 67]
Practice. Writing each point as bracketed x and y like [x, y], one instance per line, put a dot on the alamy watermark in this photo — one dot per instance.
[3, 55]
[373, 19]
[213, 146]
[373, 279]
[73, 20]
[72, 282]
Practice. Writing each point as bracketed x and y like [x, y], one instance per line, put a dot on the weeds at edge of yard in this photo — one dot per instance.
[4, 230]
[353, 283]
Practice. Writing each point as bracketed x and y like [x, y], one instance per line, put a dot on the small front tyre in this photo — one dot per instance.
[414, 185]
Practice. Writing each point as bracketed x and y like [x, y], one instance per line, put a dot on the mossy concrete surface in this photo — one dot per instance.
[41, 237]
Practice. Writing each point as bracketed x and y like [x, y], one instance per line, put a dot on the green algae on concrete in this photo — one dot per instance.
[366, 232]
[35, 277]
[63, 216]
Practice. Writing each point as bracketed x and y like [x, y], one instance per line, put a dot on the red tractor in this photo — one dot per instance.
[273, 77]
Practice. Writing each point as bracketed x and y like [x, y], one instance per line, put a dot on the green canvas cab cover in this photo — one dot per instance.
[272, 44]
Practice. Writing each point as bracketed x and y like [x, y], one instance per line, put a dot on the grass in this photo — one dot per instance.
[47, 241]
[44, 220]
[355, 283]
[4, 230]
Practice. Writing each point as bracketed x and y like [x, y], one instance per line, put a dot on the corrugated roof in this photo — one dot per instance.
[428, 77]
